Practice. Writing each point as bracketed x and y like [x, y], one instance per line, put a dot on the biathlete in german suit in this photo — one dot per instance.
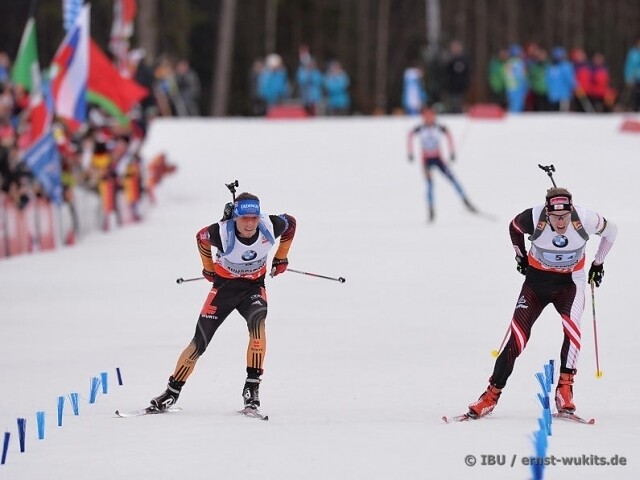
[431, 133]
[554, 274]
[234, 258]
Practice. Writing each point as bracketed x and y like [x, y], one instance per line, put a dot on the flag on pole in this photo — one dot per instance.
[70, 11]
[41, 154]
[124, 13]
[70, 71]
[110, 90]
[43, 160]
[26, 62]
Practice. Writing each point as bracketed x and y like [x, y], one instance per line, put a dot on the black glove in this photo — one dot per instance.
[208, 275]
[278, 266]
[452, 157]
[596, 272]
[227, 214]
[410, 157]
[523, 265]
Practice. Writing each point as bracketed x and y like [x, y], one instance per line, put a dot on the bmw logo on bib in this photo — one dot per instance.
[249, 255]
[560, 241]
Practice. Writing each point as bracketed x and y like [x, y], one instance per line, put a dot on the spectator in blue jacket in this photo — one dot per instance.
[273, 81]
[309, 83]
[516, 84]
[336, 84]
[561, 81]
[632, 74]
[414, 96]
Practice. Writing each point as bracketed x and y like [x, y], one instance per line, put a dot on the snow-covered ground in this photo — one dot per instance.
[358, 375]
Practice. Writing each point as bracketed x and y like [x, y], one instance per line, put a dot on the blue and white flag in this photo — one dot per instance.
[43, 161]
[70, 11]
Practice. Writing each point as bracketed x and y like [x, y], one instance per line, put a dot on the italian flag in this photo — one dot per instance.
[26, 65]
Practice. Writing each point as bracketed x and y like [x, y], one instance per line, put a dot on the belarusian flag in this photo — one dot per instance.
[106, 87]
[26, 64]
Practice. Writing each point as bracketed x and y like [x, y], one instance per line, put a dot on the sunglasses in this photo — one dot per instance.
[560, 217]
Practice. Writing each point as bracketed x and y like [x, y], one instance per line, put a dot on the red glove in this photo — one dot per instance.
[208, 275]
[278, 265]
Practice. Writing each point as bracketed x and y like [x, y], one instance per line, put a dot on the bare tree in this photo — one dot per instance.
[222, 63]
[382, 54]
[482, 54]
[270, 22]
[363, 94]
[147, 27]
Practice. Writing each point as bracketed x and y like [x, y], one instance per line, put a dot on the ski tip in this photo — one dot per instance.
[575, 418]
[458, 418]
[253, 413]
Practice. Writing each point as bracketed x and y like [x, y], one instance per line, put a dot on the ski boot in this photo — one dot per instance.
[251, 389]
[564, 393]
[169, 397]
[485, 403]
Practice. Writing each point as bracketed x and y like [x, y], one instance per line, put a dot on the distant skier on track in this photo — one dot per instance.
[431, 133]
[237, 269]
[554, 274]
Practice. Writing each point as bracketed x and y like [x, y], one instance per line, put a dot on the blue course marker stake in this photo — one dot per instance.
[22, 428]
[60, 409]
[5, 448]
[73, 398]
[103, 379]
[40, 419]
[95, 383]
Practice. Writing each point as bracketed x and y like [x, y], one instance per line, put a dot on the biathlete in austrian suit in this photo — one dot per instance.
[555, 275]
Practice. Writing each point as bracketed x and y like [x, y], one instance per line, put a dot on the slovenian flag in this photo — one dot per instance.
[69, 72]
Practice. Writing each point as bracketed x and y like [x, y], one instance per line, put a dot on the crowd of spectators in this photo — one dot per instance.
[318, 92]
[526, 78]
[533, 79]
[101, 163]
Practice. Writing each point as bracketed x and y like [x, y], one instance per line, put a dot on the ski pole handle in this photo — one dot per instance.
[337, 279]
[182, 280]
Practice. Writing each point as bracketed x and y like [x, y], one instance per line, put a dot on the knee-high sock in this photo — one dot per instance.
[186, 363]
[257, 347]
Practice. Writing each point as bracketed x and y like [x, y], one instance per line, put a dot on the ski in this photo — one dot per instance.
[487, 216]
[253, 413]
[146, 411]
[572, 417]
[458, 418]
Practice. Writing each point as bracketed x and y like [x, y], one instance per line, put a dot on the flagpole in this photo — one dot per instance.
[32, 8]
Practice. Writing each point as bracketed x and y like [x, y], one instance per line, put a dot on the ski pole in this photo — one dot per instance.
[495, 353]
[182, 280]
[595, 331]
[338, 279]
